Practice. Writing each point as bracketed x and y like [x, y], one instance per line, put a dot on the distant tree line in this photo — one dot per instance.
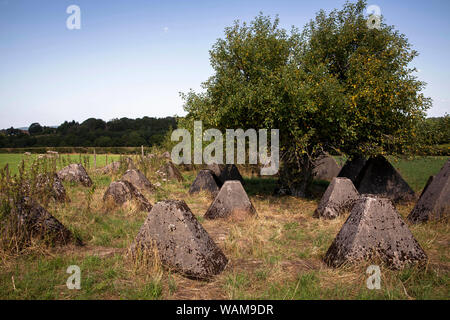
[92, 132]
[148, 131]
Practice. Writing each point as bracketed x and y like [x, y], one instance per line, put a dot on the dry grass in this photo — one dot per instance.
[278, 255]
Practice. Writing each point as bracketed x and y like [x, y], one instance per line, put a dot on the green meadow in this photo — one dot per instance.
[278, 255]
[415, 171]
[14, 159]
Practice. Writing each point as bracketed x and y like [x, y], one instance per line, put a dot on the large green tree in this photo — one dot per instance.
[35, 128]
[338, 85]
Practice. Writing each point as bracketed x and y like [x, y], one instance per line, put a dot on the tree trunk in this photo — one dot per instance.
[296, 175]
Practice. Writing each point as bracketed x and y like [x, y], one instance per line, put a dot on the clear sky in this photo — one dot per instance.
[131, 58]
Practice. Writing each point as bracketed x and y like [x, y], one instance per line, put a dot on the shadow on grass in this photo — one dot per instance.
[266, 186]
[262, 186]
[317, 189]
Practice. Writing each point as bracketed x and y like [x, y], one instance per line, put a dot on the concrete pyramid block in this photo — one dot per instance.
[170, 172]
[231, 202]
[54, 185]
[380, 178]
[112, 167]
[434, 203]
[122, 191]
[340, 196]
[75, 172]
[130, 164]
[225, 172]
[181, 241]
[37, 222]
[375, 230]
[326, 168]
[352, 168]
[138, 179]
[58, 190]
[206, 181]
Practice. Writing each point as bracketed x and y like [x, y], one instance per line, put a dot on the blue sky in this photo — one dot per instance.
[131, 58]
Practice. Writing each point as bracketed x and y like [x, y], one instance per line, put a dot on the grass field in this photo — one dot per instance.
[415, 171]
[14, 159]
[275, 256]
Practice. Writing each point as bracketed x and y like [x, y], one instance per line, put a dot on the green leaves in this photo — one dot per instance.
[336, 85]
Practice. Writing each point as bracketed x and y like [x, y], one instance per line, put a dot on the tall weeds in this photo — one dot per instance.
[33, 180]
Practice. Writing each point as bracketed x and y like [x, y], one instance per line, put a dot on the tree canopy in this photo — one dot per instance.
[337, 85]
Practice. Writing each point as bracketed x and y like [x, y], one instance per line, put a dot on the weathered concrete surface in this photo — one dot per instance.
[205, 181]
[54, 185]
[170, 172]
[112, 167]
[130, 163]
[326, 168]
[434, 203]
[59, 192]
[225, 172]
[339, 197]
[139, 180]
[37, 222]
[122, 191]
[75, 172]
[379, 177]
[231, 202]
[352, 168]
[181, 241]
[375, 230]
